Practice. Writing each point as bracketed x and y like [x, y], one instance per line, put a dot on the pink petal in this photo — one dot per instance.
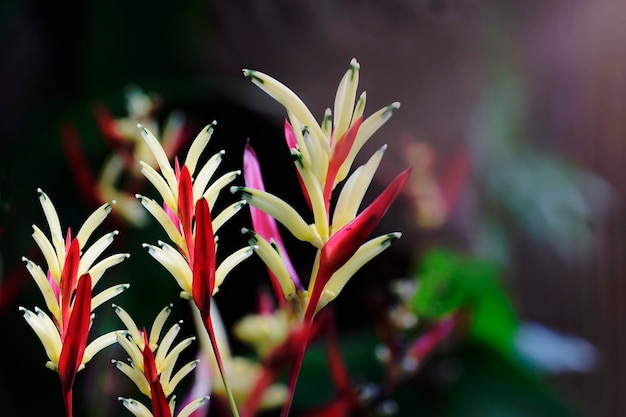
[185, 208]
[264, 224]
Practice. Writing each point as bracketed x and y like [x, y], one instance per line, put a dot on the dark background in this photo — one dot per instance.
[548, 75]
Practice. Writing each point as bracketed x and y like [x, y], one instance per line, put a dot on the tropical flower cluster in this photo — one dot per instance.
[323, 154]
[67, 289]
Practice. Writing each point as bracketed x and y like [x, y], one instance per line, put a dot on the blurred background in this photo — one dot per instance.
[511, 117]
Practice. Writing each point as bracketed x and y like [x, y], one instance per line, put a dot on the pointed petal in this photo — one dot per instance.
[98, 344]
[164, 220]
[160, 184]
[346, 241]
[157, 326]
[206, 173]
[135, 407]
[354, 190]
[160, 156]
[107, 295]
[214, 189]
[46, 331]
[197, 146]
[229, 264]
[284, 96]
[44, 286]
[48, 252]
[94, 251]
[193, 406]
[363, 255]
[55, 225]
[368, 128]
[93, 221]
[282, 212]
[344, 100]
[275, 263]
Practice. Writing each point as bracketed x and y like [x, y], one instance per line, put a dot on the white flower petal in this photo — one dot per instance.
[227, 214]
[97, 345]
[157, 326]
[44, 286]
[271, 257]
[165, 344]
[94, 251]
[229, 263]
[162, 160]
[282, 212]
[167, 366]
[45, 330]
[164, 220]
[344, 100]
[98, 269]
[206, 173]
[214, 189]
[131, 348]
[92, 222]
[197, 146]
[171, 384]
[130, 324]
[55, 225]
[135, 407]
[363, 255]
[354, 190]
[48, 252]
[286, 97]
[107, 294]
[160, 184]
[367, 129]
[193, 406]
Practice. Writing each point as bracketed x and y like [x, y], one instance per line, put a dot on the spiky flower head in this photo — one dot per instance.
[323, 154]
[67, 289]
[151, 365]
[181, 190]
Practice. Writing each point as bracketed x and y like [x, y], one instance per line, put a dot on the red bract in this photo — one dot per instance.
[339, 154]
[75, 339]
[343, 244]
[160, 407]
[204, 260]
[68, 282]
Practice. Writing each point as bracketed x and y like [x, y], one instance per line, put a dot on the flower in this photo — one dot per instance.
[323, 155]
[181, 193]
[151, 368]
[187, 219]
[67, 290]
